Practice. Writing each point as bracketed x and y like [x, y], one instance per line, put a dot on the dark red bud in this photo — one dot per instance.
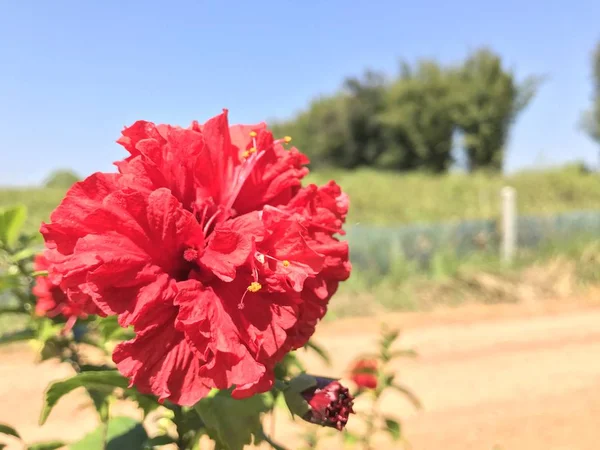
[364, 374]
[330, 403]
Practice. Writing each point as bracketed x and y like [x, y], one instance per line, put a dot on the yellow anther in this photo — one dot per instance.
[253, 134]
[285, 263]
[255, 286]
[287, 139]
[247, 153]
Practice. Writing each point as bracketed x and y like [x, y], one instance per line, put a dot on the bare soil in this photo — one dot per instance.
[504, 377]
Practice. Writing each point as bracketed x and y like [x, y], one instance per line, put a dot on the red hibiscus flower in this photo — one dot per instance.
[364, 373]
[206, 243]
[52, 301]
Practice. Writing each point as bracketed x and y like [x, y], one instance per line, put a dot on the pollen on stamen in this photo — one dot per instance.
[253, 134]
[190, 254]
[247, 153]
[255, 286]
[284, 140]
[285, 263]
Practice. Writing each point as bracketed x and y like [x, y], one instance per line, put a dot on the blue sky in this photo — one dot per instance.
[73, 73]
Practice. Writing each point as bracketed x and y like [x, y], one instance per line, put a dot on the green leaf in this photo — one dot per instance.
[388, 380]
[157, 441]
[8, 430]
[17, 309]
[408, 394]
[53, 445]
[320, 351]
[10, 281]
[17, 336]
[47, 329]
[147, 403]
[123, 433]
[110, 330]
[103, 382]
[393, 428]
[11, 222]
[95, 368]
[53, 348]
[387, 338]
[350, 438]
[25, 254]
[293, 394]
[408, 353]
[301, 383]
[231, 422]
[2, 446]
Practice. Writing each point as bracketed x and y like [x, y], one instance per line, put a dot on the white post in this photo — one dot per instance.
[509, 223]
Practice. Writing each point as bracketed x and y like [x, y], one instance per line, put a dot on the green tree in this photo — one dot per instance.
[409, 124]
[62, 178]
[343, 130]
[487, 101]
[320, 131]
[592, 117]
[418, 116]
[367, 136]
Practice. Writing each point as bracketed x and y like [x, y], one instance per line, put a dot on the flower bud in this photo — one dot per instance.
[364, 373]
[330, 403]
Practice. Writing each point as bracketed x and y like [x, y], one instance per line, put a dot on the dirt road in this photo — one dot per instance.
[490, 378]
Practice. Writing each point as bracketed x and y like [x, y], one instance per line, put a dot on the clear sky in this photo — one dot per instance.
[73, 73]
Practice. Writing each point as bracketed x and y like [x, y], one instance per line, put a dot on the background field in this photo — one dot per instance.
[388, 198]
[420, 240]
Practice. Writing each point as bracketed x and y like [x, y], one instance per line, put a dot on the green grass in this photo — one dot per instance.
[388, 198]
[480, 277]
[39, 201]
[392, 198]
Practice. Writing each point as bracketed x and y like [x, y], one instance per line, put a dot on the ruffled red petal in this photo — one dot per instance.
[161, 362]
[207, 245]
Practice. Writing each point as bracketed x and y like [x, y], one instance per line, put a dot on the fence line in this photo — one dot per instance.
[377, 248]
[509, 223]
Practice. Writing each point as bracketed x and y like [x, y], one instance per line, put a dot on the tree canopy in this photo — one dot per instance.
[410, 122]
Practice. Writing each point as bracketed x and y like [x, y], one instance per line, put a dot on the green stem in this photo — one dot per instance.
[281, 385]
[74, 357]
[185, 441]
[104, 417]
[373, 413]
[178, 419]
[270, 441]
